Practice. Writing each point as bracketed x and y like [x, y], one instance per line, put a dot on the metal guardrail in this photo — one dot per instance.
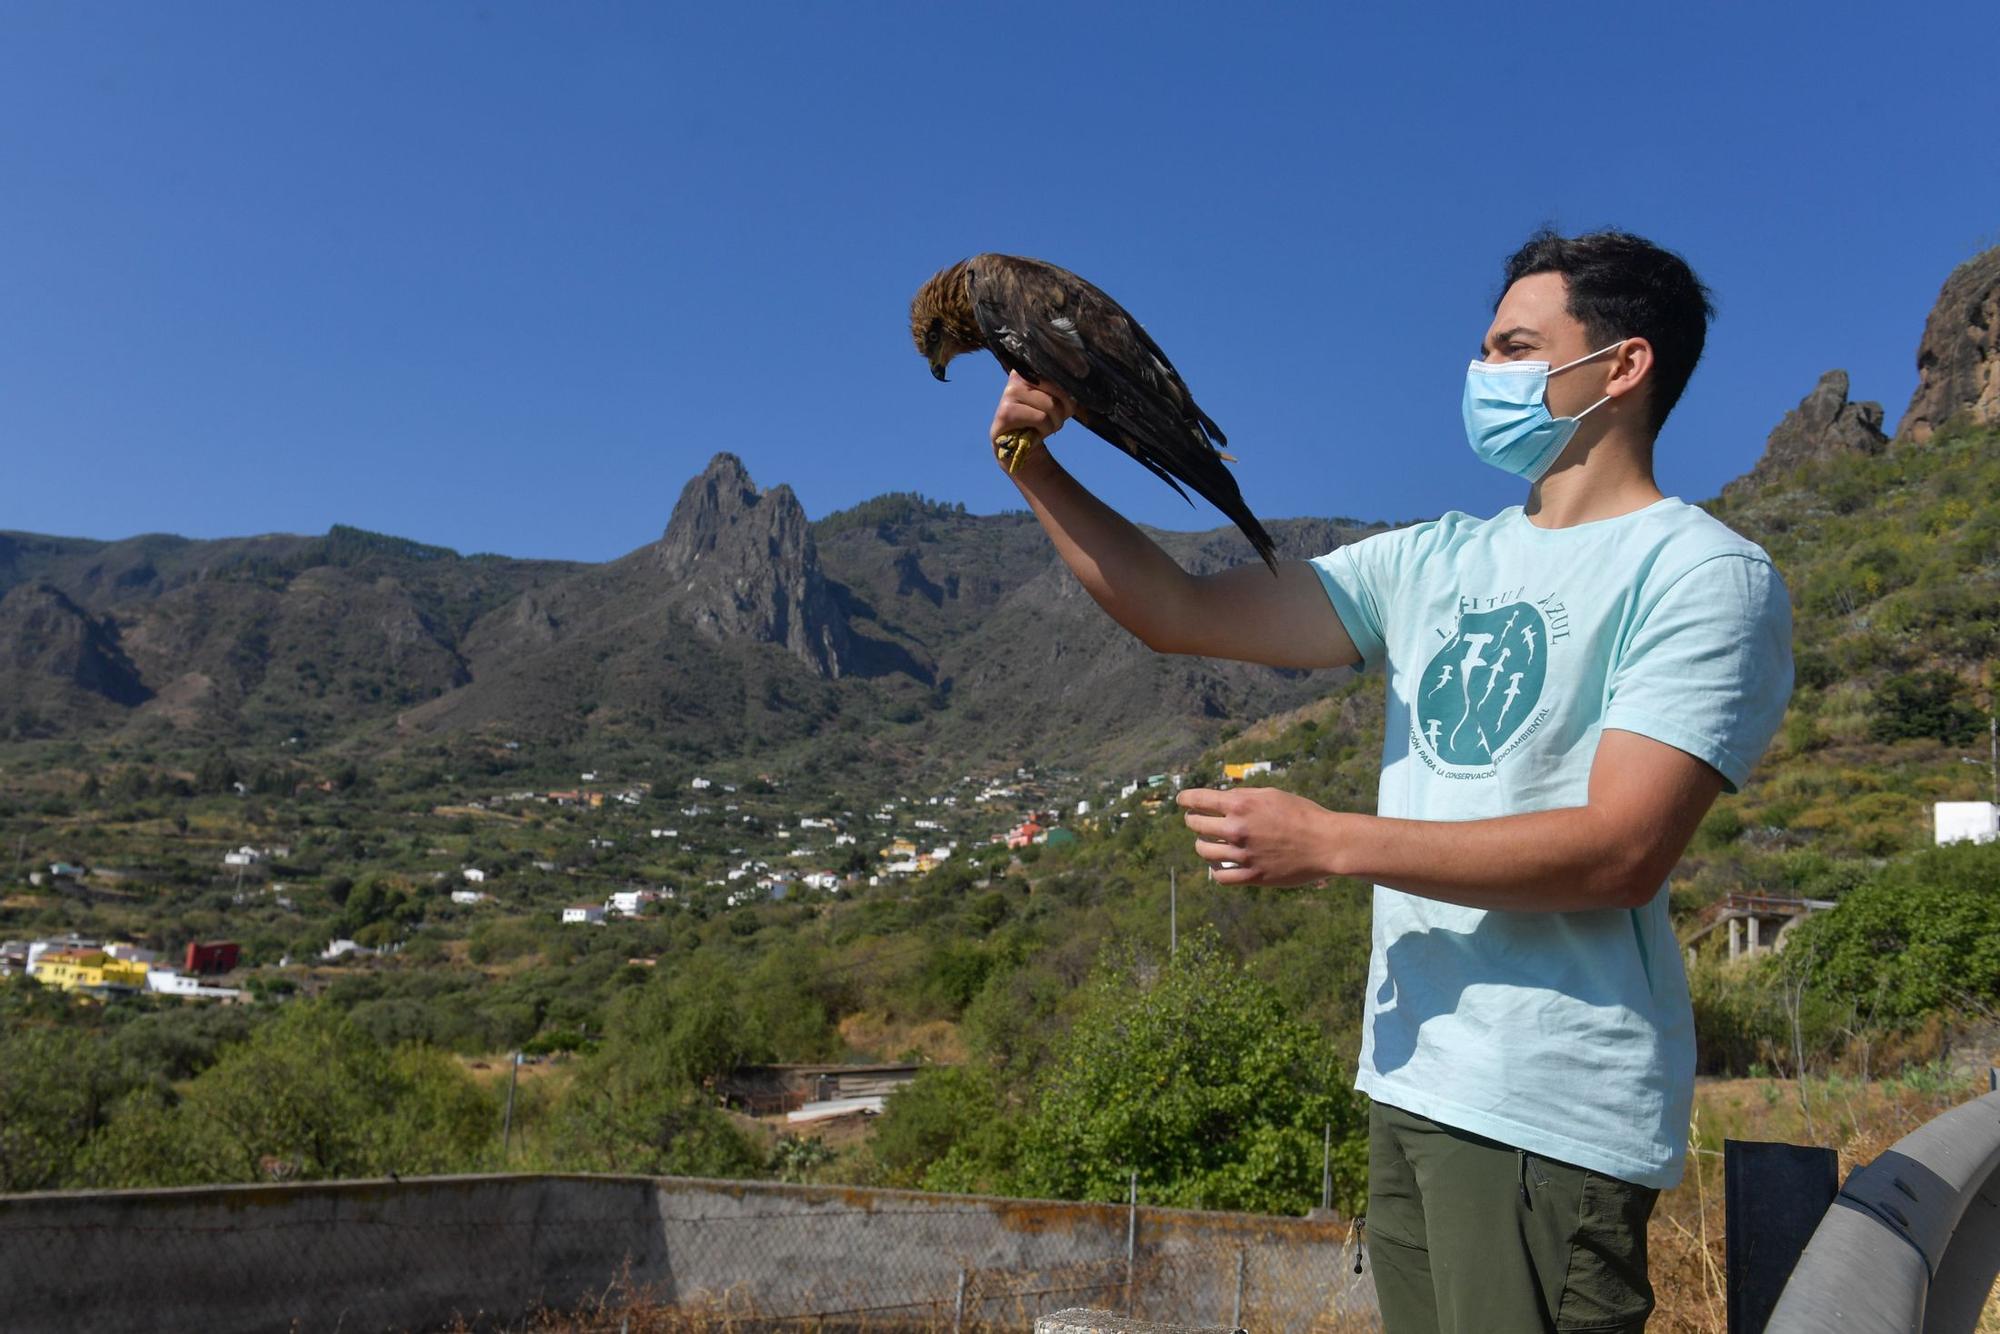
[1912, 1242]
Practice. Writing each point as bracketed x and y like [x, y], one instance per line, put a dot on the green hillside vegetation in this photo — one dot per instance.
[1074, 1044]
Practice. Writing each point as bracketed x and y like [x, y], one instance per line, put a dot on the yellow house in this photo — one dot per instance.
[1236, 773]
[83, 970]
[901, 849]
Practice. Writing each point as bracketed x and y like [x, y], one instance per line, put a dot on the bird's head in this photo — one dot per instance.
[941, 320]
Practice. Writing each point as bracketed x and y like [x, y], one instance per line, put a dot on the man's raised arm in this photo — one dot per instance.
[1240, 613]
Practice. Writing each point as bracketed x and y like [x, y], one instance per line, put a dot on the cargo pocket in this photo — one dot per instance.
[1606, 1287]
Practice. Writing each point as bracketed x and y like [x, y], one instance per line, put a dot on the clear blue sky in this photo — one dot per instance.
[503, 276]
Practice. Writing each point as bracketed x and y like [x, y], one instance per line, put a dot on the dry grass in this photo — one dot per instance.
[887, 1038]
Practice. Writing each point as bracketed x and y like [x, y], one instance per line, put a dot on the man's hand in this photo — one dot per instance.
[1260, 836]
[1025, 407]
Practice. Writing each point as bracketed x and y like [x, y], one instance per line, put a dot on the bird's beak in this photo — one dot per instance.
[937, 372]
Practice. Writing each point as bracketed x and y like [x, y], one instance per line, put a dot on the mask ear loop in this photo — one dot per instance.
[1588, 356]
[1578, 362]
[1592, 408]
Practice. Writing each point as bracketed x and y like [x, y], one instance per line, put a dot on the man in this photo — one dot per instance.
[1570, 684]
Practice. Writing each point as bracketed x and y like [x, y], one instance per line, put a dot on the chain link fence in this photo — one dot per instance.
[626, 1254]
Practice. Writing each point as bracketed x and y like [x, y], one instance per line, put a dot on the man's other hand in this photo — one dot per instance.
[1260, 835]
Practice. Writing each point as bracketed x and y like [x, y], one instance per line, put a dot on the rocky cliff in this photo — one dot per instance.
[1824, 425]
[1958, 361]
[745, 567]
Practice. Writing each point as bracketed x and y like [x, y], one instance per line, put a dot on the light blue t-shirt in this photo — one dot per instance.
[1510, 648]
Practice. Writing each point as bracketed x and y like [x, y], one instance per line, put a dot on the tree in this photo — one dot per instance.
[945, 1130]
[1922, 706]
[56, 1089]
[1922, 935]
[1191, 1074]
[636, 1105]
[309, 1095]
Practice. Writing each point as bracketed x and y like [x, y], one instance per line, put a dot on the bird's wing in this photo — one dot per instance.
[1049, 324]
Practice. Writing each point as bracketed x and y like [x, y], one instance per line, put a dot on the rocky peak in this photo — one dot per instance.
[745, 567]
[1824, 425]
[1958, 361]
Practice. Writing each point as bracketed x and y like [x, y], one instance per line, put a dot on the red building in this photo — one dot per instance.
[216, 956]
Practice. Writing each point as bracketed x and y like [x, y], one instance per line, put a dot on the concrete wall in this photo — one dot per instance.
[379, 1255]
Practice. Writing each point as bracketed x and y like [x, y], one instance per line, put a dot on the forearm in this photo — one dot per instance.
[1545, 861]
[1138, 584]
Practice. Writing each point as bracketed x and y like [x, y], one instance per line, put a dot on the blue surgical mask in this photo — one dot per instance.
[1507, 419]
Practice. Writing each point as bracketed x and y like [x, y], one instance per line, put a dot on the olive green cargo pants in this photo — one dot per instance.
[1468, 1235]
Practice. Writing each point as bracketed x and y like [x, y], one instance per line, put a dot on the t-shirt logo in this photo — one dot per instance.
[1483, 684]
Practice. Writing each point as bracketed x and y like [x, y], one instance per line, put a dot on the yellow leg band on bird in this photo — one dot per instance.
[1013, 446]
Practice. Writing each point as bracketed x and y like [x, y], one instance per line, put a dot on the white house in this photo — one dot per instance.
[340, 949]
[630, 902]
[666, 833]
[475, 876]
[468, 896]
[243, 856]
[592, 913]
[701, 784]
[169, 982]
[1967, 822]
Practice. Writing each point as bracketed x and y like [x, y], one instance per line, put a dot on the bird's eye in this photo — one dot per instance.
[936, 332]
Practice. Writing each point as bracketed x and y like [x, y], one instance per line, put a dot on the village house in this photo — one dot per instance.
[92, 972]
[468, 897]
[186, 986]
[1024, 833]
[1236, 773]
[474, 875]
[587, 913]
[630, 902]
[37, 948]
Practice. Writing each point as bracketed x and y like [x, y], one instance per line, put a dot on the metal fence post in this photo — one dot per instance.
[1131, 1236]
[507, 1120]
[958, 1307]
[1236, 1311]
[1774, 1196]
[1326, 1169]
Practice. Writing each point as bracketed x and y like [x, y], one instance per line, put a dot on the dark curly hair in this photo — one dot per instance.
[1624, 286]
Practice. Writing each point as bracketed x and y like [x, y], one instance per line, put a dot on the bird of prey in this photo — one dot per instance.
[1053, 327]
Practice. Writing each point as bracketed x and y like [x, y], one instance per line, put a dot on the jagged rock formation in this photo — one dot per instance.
[1958, 361]
[1822, 426]
[745, 567]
